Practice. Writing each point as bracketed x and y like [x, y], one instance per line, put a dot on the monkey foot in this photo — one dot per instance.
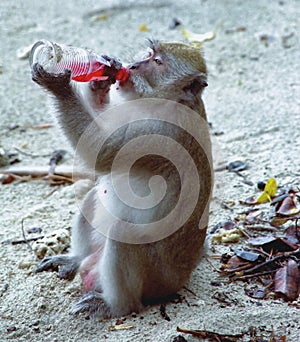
[93, 304]
[65, 265]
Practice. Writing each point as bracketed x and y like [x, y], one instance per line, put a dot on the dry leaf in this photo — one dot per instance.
[272, 243]
[292, 234]
[196, 39]
[143, 28]
[102, 17]
[234, 263]
[278, 221]
[249, 201]
[253, 216]
[9, 179]
[287, 280]
[288, 207]
[120, 327]
[225, 225]
[269, 192]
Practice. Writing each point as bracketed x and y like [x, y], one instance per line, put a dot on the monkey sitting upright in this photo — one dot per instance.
[120, 276]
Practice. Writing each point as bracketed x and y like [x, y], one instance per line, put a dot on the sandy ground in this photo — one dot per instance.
[252, 99]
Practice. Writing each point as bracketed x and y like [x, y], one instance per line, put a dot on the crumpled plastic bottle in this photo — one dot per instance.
[85, 65]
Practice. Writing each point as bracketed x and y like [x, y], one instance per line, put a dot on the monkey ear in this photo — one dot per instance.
[196, 85]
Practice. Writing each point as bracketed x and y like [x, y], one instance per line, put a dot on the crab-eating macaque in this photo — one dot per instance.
[120, 277]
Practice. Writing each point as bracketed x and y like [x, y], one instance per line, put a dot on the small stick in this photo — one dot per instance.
[212, 265]
[18, 242]
[248, 276]
[31, 154]
[24, 237]
[267, 263]
[55, 178]
[244, 231]
[42, 171]
[163, 312]
[209, 334]
[262, 227]
[190, 291]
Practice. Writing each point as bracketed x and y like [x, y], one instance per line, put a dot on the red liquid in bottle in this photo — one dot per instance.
[84, 64]
[97, 71]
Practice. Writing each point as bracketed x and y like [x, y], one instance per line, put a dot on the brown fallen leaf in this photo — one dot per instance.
[235, 263]
[288, 207]
[287, 281]
[253, 216]
[226, 225]
[278, 221]
[249, 201]
[9, 179]
[272, 243]
[292, 234]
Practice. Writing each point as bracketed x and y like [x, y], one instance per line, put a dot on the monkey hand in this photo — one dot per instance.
[93, 304]
[115, 64]
[58, 84]
[111, 72]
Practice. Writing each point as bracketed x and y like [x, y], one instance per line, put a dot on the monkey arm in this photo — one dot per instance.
[72, 115]
[75, 115]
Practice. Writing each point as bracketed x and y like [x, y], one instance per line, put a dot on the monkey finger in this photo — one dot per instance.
[114, 63]
[48, 264]
[50, 81]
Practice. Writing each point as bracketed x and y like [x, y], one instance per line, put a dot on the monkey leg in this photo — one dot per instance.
[120, 278]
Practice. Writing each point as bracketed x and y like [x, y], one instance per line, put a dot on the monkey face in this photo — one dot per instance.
[150, 65]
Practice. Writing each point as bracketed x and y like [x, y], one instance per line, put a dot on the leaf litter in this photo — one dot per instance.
[272, 258]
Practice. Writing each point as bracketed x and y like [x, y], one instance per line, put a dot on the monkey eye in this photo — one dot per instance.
[158, 60]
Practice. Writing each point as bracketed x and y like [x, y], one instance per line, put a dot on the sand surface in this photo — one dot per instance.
[253, 104]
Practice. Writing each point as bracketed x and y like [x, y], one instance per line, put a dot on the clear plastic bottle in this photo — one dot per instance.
[84, 64]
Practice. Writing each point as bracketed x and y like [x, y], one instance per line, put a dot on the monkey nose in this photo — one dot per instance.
[134, 65]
